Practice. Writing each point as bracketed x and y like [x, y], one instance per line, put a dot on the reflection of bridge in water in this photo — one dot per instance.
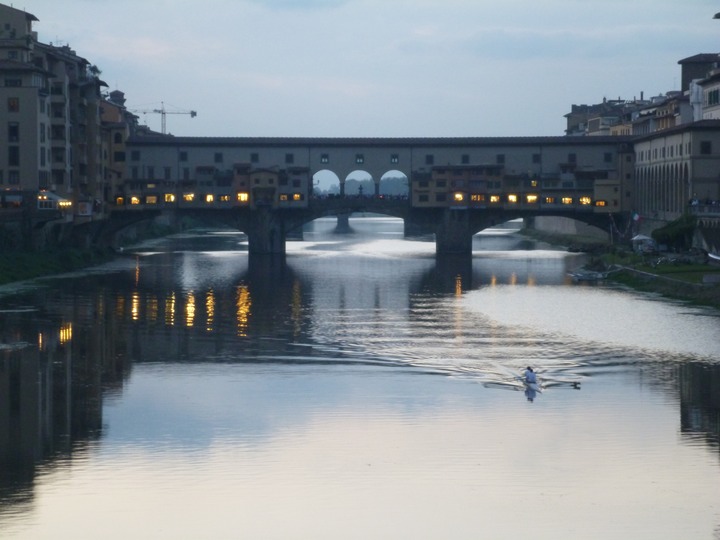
[268, 228]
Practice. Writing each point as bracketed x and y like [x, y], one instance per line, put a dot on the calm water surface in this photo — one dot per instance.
[361, 388]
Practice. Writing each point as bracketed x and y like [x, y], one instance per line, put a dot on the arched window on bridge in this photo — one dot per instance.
[359, 183]
[394, 184]
[326, 183]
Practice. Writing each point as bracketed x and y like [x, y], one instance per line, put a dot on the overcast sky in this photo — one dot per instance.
[385, 68]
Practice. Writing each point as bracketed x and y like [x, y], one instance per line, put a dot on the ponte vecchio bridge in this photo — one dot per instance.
[456, 186]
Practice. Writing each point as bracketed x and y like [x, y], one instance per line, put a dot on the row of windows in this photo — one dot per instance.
[511, 199]
[150, 174]
[360, 158]
[13, 132]
[241, 197]
[674, 150]
[13, 105]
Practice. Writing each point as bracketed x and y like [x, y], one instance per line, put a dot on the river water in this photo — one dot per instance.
[360, 388]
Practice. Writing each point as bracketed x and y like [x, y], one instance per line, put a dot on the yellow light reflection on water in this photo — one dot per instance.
[190, 310]
[65, 333]
[210, 310]
[135, 306]
[120, 307]
[243, 303]
[170, 310]
[152, 309]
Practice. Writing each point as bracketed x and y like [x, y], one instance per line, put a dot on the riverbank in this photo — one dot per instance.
[22, 265]
[697, 283]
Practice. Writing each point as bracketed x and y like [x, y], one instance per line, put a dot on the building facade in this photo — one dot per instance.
[53, 131]
[676, 167]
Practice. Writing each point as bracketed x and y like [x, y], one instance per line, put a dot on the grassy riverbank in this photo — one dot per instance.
[689, 281]
[22, 265]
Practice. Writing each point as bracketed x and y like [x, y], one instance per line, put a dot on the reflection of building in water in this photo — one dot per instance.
[165, 320]
[51, 388]
[243, 303]
[700, 402]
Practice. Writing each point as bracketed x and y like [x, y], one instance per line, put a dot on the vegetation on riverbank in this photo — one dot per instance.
[680, 278]
[22, 265]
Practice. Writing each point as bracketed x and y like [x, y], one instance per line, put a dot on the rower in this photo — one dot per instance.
[530, 377]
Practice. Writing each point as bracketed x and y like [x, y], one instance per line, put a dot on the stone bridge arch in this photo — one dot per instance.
[268, 228]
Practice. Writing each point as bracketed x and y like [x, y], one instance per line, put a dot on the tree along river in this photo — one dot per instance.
[361, 388]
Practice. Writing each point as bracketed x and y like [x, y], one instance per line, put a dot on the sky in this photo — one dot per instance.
[378, 68]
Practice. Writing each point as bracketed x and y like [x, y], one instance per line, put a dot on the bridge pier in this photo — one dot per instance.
[416, 224]
[343, 223]
[266, 232]
[454, 233]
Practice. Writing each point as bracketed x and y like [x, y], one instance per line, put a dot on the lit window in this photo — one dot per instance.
[134, 200]
[224, 198]
[243, 197]
[549, 200]
[120, 201]
[585, 201]
[512, 198]
[283, 197]
[151, 199]
[600, 203]
[533, 183]
[169, 197]
[494, 198]
[531, 199]
[477, 197]
[209, 198]
[459, 197]
[566, 200]
[188, 197]
[297, 197]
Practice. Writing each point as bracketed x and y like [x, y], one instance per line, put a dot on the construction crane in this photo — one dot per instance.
[163, 113]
